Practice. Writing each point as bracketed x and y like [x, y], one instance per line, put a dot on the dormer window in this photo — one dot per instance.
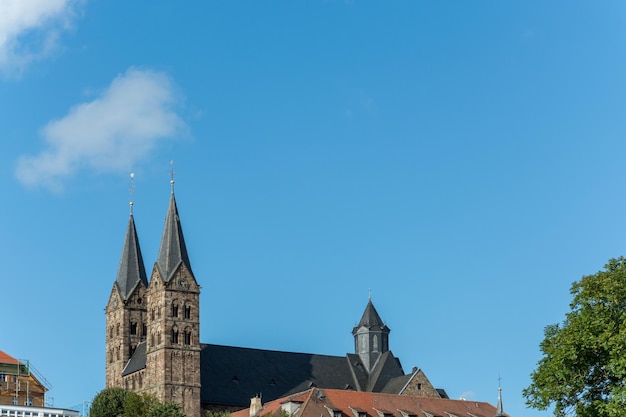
[334, 412]
[358, 412]
[383, 413]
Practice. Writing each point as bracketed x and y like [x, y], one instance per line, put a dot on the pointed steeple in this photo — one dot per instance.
[132, 270]
[173, 251]
[371, 337]
[370, 317]
[499, 409]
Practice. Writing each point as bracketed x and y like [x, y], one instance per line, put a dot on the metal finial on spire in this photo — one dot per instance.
[172, 173]
[131, 189]
[369, 294]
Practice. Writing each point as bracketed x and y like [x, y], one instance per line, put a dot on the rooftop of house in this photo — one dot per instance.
[341, 403]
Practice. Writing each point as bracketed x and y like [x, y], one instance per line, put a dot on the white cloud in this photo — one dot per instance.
[108, 134]
[29, 29]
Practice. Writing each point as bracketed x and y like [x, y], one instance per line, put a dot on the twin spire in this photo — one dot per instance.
[172, 253]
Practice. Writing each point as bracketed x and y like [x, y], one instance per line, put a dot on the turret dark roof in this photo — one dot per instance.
[132, 270]
[173, 251]
[370, 318]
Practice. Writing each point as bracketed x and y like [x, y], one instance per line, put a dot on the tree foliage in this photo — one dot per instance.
[118, 402]
[109, 403]
[583, 369]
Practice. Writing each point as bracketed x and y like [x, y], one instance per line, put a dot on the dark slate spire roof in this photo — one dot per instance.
[500, 410]
[173, 251]
[132, 270]
[370, 317]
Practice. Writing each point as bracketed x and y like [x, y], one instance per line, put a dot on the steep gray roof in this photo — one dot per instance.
[173, 251]
[230, 375]
[233, 375]
[370, 318]
[137, 361]
[132, 270]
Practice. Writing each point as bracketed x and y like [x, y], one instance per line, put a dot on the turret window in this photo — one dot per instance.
[187, 312]
[175, 310]
[133, 328]
[174, 336]
[187, 337]
[144, 330]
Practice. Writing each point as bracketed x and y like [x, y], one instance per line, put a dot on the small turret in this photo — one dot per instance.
[371, 337]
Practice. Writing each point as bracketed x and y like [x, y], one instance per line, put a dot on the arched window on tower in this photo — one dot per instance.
[159, 337]
[187, 336]
[362, 343]
[117, 329]
[375, 342]
[174, 335]
[133, 328]
[187, 312]
[144, 330]
[111, 332]
[175, 309]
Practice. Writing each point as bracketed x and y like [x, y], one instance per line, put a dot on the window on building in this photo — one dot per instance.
[3, 378]
[174, 336]
[187, 337]
[14, 400]
[117, 329]
[111, 332]
[133, 328]
[187, 312]
[28, 401]
[144, 330]
[175, 310]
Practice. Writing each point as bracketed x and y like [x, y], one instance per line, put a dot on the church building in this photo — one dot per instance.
[153, 342]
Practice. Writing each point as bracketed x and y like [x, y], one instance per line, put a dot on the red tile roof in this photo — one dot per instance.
[318, 402]
[8, 359]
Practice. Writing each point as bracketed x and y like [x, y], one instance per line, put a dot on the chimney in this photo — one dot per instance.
[255, 406]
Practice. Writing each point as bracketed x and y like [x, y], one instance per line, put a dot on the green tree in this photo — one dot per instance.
[583, 369]
[109, 403]
[118, 402]
[212, 413]
[165, 410]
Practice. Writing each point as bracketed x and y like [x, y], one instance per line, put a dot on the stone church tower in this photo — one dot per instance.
[173, 346]
[126, 309]
[159, 319]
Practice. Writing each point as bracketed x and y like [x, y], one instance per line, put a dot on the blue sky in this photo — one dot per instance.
[463, 160]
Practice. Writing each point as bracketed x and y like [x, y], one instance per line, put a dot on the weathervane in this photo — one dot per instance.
[172, 173]
[131, 189]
